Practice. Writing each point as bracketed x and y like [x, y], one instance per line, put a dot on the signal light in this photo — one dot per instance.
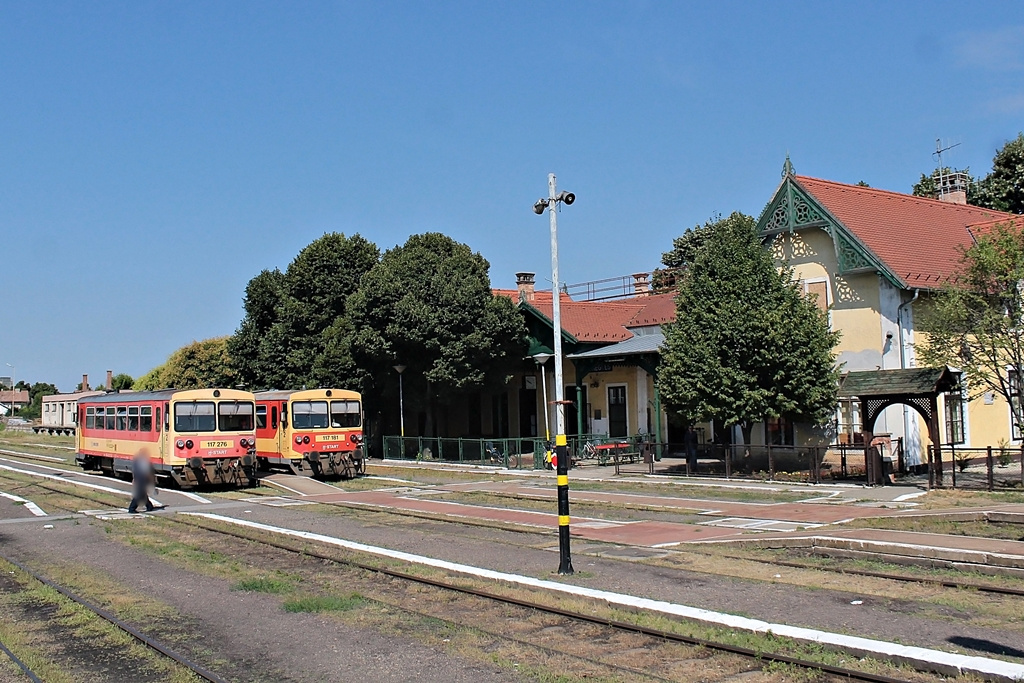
[243, 443]
[188, 444]
[305, 439]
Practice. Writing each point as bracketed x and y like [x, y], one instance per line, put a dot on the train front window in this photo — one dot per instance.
[235, 416]
[309, 415]
[198, 416]
[344, 414]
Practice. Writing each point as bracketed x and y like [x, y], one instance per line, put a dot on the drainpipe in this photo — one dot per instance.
[903, 365]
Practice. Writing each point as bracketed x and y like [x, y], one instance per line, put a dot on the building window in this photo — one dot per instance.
[779, 431]
[1014, 382]
[817, 291]
[954, 404]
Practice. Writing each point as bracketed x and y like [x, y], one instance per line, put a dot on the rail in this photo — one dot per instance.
[195, 668]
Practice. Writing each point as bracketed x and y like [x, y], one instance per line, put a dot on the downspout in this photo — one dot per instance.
[903, 365]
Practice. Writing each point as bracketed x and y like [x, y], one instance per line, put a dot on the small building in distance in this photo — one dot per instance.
[17, 399]
[60, 411]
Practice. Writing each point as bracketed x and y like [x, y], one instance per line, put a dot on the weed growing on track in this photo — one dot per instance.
[941, 525]
[324, 603]
[263, 584]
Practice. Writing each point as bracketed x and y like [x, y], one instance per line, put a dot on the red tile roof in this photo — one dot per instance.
[916, 238]
[979, 229]
[658, 309]
[594, 321]
[20, 396]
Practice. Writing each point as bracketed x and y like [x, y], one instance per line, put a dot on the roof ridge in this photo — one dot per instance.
[902, 195]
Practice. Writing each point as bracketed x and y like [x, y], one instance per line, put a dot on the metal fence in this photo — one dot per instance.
[514, 454]
[991, 468]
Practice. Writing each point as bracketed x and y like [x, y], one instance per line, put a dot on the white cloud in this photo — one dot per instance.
[996, 50]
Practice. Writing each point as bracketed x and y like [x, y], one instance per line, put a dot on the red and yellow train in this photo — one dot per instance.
[318, 429]
[196, 437]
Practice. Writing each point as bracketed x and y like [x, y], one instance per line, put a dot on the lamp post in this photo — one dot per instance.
[14, 382]
[401, 403]
[542, 359]
[550, 203]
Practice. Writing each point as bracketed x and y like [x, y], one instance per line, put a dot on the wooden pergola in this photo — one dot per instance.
[918, 388]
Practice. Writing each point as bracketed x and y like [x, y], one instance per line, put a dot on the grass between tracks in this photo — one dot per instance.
[183, 546]
[63, 641]
[939, 524]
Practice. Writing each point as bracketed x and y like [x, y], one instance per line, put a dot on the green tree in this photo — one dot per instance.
[199, 365]
[746, 345]
[428, 305]
[290, 334]
[36, 392]
[1003, 188]
[974, 322]
[121, 382]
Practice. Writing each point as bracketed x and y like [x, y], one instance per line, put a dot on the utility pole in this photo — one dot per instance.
[401, 404]
[561, 450]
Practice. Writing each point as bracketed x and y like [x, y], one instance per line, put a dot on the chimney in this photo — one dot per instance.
[641, 284]
[110, 380]
[524, 282]
[85, 382]
[951, 186]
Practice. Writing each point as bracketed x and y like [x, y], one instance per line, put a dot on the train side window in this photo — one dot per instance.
[167, 417]
[146, 418]
[261, 417]
[273, 417]
[159, 424]
[122, 418]
[284, 415]
[133, 418]
[111, 419]
[90, 418]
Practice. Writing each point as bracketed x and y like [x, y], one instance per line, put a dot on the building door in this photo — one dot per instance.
[617, 425]
[527, 412]
[572, 410]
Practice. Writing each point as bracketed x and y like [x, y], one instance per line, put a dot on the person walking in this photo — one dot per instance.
[142, 479]
[690, 440]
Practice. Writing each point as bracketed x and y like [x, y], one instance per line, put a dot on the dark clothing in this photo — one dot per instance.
[142, 478]
[690, 447]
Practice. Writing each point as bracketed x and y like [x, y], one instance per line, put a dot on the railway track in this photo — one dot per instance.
[21, 665]
[195, 668]
[930, 580]
[657, 634]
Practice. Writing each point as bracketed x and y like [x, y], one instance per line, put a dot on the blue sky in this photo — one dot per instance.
[155, 156]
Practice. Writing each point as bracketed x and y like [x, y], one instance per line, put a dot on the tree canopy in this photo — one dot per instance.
[290, 334]
[199, 365]
[36, 392]
[428, 305]
[746, 345]
[974, 322]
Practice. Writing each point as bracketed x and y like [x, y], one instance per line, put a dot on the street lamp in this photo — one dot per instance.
[401, 401]
[542, 359]
[14, 382]
[551, 203]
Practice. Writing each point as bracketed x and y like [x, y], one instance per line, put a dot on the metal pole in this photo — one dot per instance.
[544, 388]
[14, 383]
[565, 559]
[401, 407]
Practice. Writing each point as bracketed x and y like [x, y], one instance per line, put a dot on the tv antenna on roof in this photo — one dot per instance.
[951, 182]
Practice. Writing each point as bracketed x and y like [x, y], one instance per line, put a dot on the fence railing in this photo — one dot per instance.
[990, 468]
[509, 453]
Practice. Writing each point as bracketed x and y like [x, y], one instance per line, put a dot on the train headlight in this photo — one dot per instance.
[305, 439]
[298, 439]
[189, 444]
[354, 438]
[180, 443]
[243, 443]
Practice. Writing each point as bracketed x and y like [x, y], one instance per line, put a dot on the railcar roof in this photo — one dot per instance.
[130, 396]
[284, 395]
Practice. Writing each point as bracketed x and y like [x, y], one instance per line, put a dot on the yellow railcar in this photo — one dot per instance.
[319, 430]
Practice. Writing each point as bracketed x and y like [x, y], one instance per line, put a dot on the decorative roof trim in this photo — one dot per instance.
[794, 208]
